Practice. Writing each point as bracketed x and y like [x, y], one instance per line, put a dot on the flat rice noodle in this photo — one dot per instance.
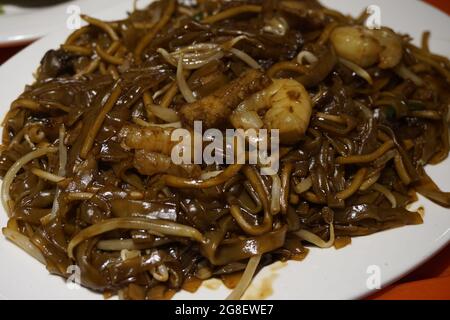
[166, 210]
[320, 70]
[365, 219]
[222, 254]
[426, 187]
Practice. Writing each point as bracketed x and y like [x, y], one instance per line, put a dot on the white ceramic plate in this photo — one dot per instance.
[27, 20]
[325, 274]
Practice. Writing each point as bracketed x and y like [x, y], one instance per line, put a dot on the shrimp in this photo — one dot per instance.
[288, 108]
[215, 108]
[153, 147]
[152, 139]
[367, 47]
[150, 163]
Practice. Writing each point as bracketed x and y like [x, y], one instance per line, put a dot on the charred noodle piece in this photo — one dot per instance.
[214, 110]
[159, 227]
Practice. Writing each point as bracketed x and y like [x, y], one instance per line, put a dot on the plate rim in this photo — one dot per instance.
[14, 38]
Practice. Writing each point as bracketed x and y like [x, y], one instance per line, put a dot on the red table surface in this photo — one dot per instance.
[429, 281]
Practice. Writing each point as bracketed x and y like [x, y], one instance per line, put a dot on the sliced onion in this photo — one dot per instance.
[148, 124]
[126, 254]
[315, 239]
[15, 168]
[246, 58]
[308, 56]
[182, 84]
[167, 56]
[210, 174]
[198, 55]
[166, 125]
[403, 72]
[166, 114]
[357, 70]
[161, 91]
[246, 278]
[276, 194]
[386, 192]
[61, 171]
[47, 175]
[231, 43]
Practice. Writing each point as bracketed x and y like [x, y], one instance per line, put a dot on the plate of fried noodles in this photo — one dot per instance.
[95, 207]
